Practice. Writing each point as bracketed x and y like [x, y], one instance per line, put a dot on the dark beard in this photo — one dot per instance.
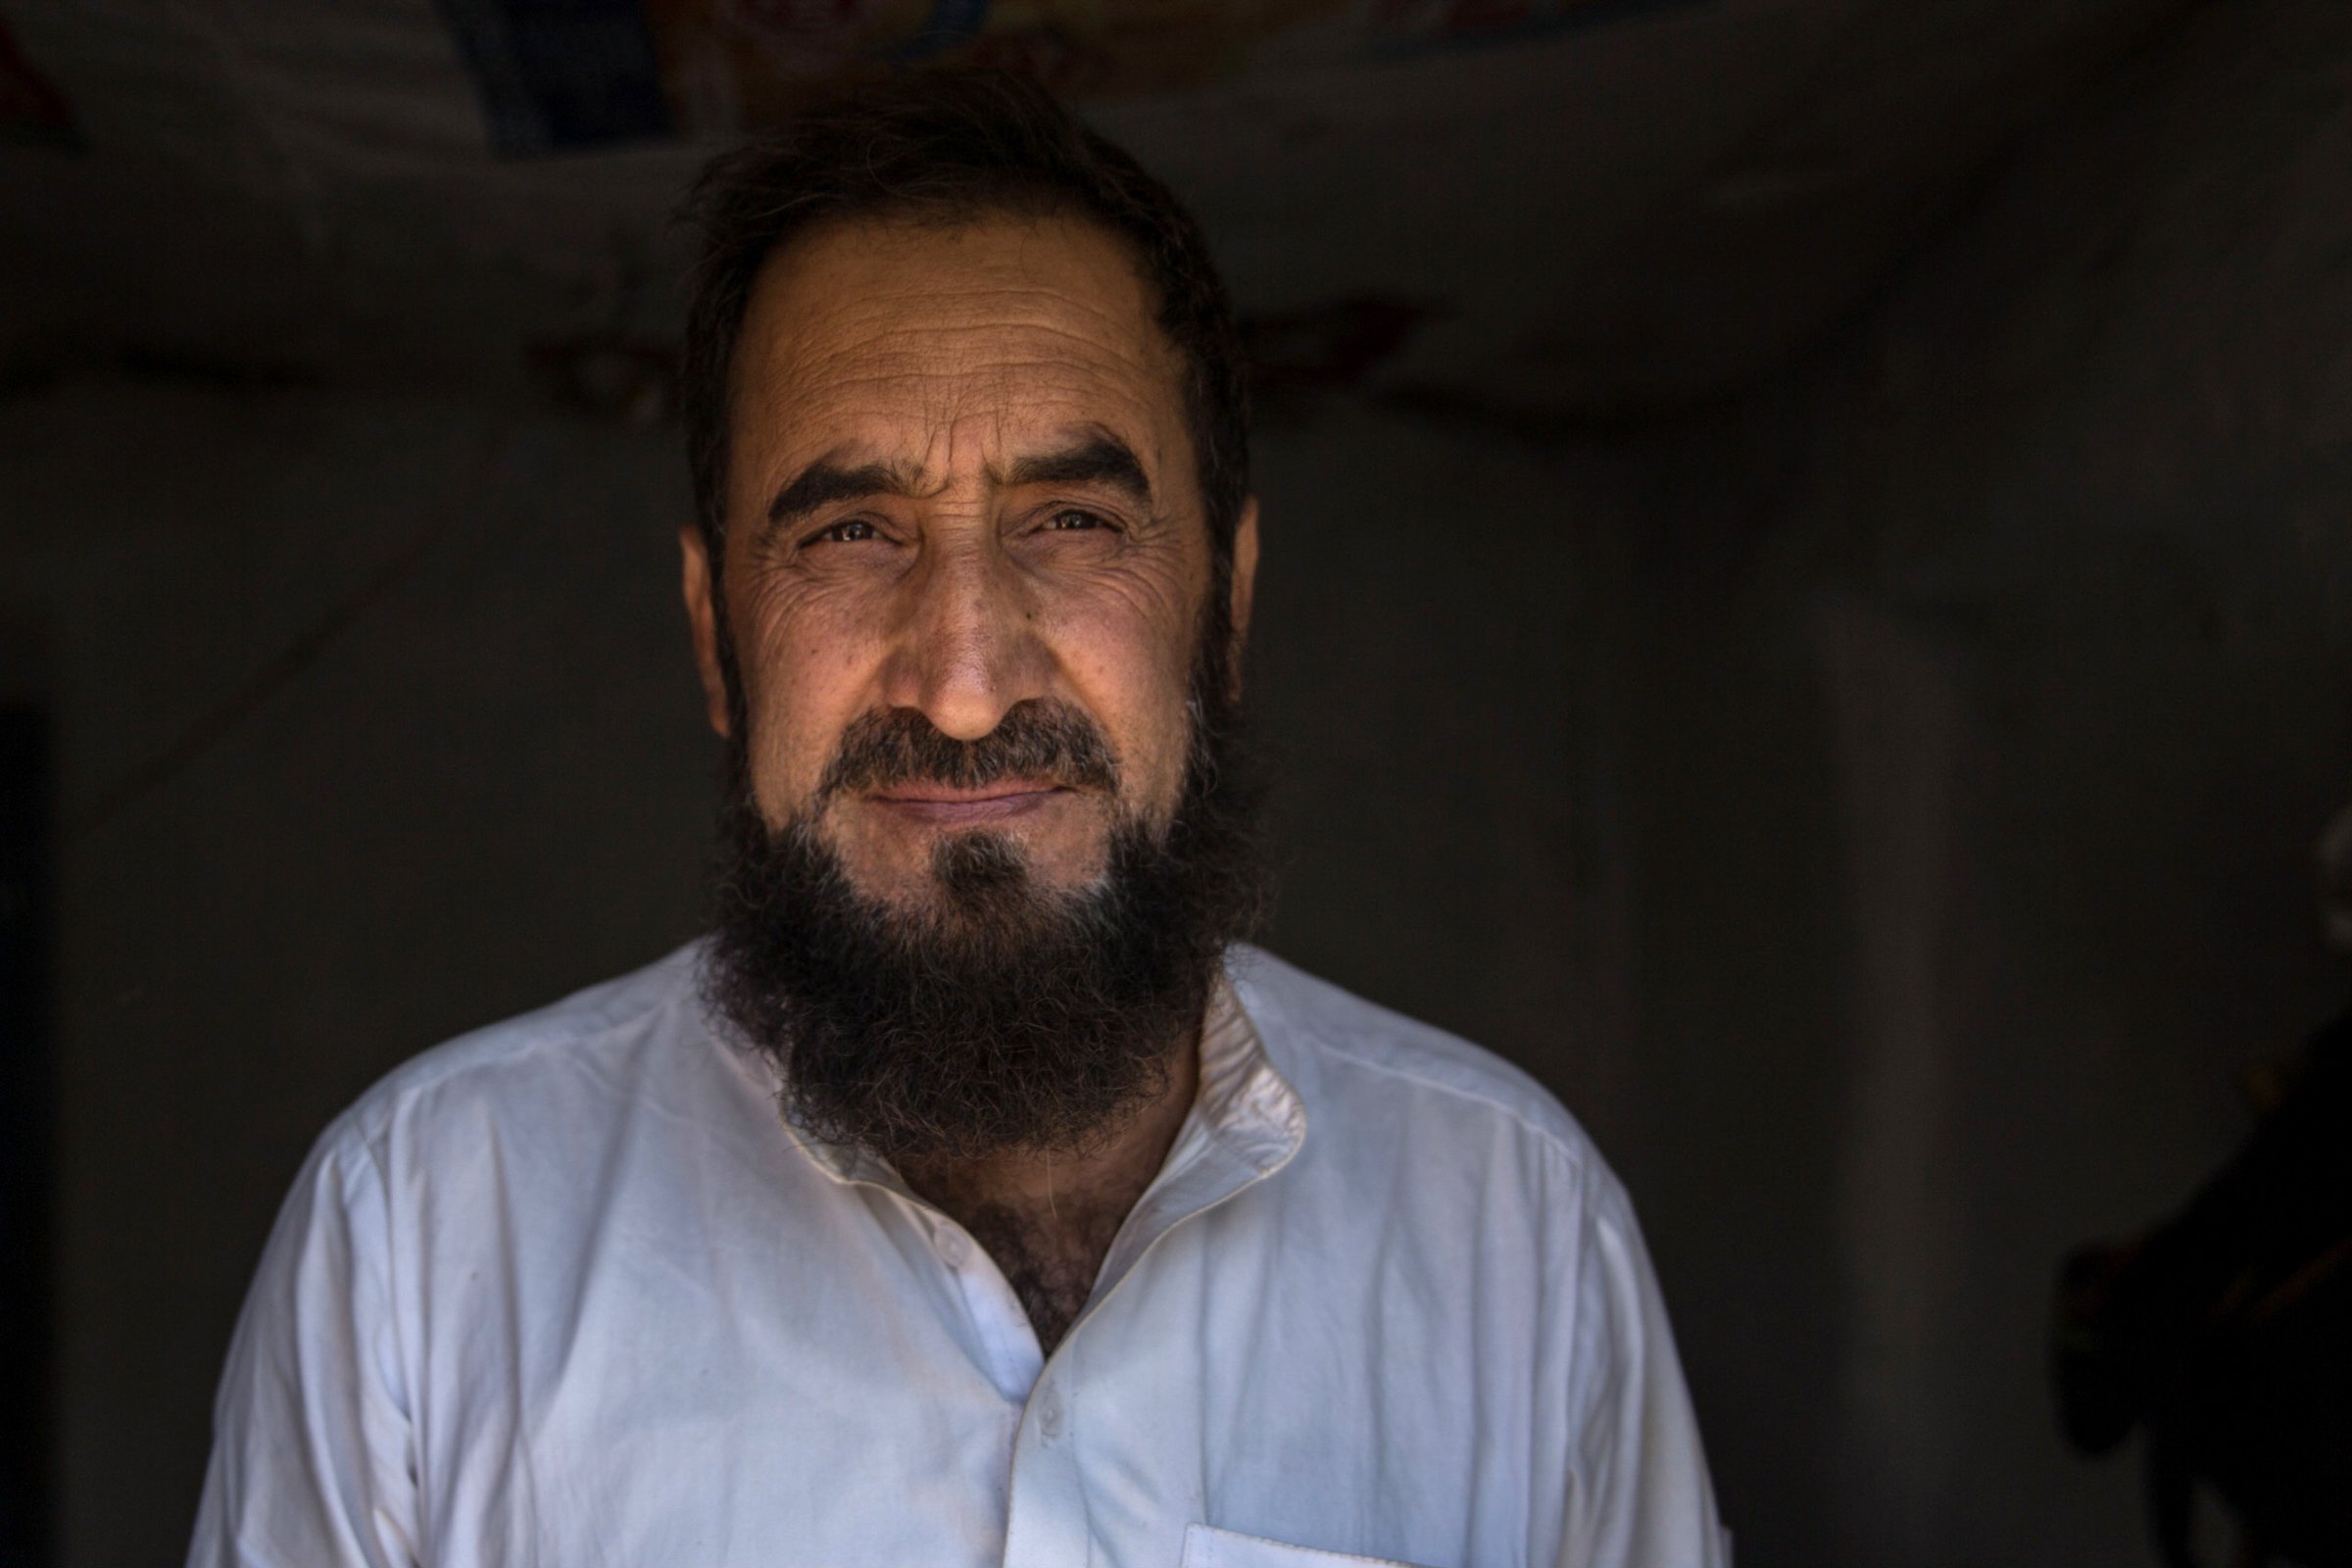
[1005, 1016]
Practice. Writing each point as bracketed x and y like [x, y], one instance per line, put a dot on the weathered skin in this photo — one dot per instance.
[943, 359]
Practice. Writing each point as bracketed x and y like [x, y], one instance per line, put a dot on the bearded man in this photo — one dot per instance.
[971, 1196]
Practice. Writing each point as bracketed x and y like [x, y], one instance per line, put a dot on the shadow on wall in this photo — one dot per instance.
[2225, 1332]
[27, 1091]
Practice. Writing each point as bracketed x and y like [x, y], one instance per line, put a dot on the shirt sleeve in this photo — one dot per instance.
[312, 1462]
[1639, 1495]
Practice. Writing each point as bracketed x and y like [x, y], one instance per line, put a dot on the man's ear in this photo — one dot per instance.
[702, 618]
[1244, 586]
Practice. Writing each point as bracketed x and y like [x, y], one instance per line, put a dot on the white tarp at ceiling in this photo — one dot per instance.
[1564, 206]
[593, 72]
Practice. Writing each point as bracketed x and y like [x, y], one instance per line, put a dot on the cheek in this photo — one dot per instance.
[805, 669]
[1130, 666]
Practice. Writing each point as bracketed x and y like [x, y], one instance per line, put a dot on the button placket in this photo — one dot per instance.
[1049, 1413]
[1045, 1521]
[1005, 1347]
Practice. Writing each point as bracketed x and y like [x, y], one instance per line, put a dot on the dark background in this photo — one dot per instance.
[1804, 602]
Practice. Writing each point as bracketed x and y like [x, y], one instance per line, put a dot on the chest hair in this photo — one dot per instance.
[1051, 1258]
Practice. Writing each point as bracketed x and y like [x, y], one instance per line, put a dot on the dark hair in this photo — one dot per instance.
[955, 144]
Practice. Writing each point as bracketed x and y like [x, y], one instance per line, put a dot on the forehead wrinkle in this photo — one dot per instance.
[846, 279]
[879, 317]
[984, 276]
[862, 351]
[927, 427]
[915, 358]
[914, 362]
[962, 295]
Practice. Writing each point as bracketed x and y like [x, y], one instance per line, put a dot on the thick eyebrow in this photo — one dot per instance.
[1102, 459]
[825, 482]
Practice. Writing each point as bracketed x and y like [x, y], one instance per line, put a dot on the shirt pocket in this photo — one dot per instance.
[1208, 1547]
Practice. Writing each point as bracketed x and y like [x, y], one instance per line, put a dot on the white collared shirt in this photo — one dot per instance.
[568, 1293]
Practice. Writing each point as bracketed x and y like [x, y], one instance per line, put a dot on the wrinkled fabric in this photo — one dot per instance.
[570, 1292]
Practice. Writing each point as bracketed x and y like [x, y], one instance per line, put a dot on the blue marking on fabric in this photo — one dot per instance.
[951, 22]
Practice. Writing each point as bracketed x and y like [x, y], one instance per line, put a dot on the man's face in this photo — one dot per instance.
[961, 479]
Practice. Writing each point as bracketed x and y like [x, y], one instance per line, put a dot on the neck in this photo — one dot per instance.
[1049, 1219]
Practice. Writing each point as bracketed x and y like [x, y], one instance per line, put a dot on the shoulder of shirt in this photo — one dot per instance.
[1297, 1010]
[609, 1013]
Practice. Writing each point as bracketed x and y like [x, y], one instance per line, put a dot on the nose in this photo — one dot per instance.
[969, 651]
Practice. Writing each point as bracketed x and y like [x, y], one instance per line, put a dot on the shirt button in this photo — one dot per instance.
[1048, 1418]
[952, 1250]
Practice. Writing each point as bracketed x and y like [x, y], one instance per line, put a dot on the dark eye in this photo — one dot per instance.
[1071, 518]
[849, 531]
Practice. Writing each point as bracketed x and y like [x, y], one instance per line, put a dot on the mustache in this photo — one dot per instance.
[1037, 738]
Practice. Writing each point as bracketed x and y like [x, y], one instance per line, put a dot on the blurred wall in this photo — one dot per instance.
[1880, 805]
[1971, 786]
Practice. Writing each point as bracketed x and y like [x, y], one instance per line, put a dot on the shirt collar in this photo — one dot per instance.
[1244, 1102]
[1246, 1122]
